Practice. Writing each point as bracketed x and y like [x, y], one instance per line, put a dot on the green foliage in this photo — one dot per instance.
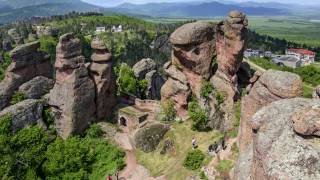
[47, 116]
[4, 65]
[206, 89]
[127, 83]
[224, 166]
[30, 154]
[203, 176]
[17, 97]
[198, 115]
[48, 44]
[220, 97]
[94, 131]
[167, 111]
[194, 159]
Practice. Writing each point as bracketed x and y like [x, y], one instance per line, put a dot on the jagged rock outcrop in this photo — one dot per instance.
[27, 63]
[307, 121]
[46, 31]
[101, 72]
[192, 54]
[230, 44]
[25, 113]
[6, 45]
[316, 93]
[15, 36]
[147, 69]
[148, 138]
[280, 153]
[270, 87]
[73, 95]
[37, 87]
[162, 44]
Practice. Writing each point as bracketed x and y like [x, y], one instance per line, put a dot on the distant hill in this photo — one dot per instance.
[25, 3]
[206, 9]
[12, 14]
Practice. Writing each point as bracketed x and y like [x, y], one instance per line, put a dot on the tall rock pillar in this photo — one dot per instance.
[72, 98]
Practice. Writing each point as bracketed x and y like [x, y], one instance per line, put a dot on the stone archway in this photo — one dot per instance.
[123, 121]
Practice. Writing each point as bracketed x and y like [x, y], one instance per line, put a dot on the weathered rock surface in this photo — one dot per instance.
[146, 69]
[230, 44]
[15, 36]
[101, 72]
[271, 86]
[278, 152]
[307, 121]
[162, 44]
[73, 95]
[6, 45]
[316, 93]
[46, 31]
[24, 114]
[27, 63]
[37, 87]
[142, 67]
[148, 137]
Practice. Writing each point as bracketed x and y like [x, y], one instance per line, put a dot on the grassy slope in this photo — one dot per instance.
[172, 165]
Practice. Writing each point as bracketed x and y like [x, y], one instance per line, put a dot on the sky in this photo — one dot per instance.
[110, 3]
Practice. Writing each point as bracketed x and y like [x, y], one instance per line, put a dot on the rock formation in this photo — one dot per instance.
[316, 93]
[73, 95]
[230, 44]
[270, 87]
[46, 31]
[15, 36]
[6, 45]
[162, 44]
[192, 54]
[280, 153]
[101, 72]
[146, 69]
[27, 63]
[24, 114]
[37, 87]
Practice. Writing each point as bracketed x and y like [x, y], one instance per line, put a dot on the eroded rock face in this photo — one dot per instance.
[271, 86]
[101, 72]
[230, 44]
[307, 121]
[162, 44]
[15, 36]
[6, 45]
[24, 114]
[27, 63]
[46, 31]
[192, 54]
[146, 69]
[148, 137]
[73, 95]
[37, 87]
[278, 152]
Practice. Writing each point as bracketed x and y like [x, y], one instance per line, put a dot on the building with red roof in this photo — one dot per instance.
[306, 56]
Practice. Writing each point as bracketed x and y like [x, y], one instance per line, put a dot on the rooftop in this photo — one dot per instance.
[302, 51]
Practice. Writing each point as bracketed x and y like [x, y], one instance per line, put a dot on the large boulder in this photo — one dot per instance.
[46, 31]
[6, 45]
[27, 63]
[37, 87]
[270, 87]
[278, 152]
[148, 138]
[73, 96]
[24, 114]
[144, 66]
[101, 72]
[162, 44]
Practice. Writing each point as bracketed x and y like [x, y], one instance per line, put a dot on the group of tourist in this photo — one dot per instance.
[212, 147]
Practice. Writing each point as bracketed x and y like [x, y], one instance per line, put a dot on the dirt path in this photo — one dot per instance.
[132, 164]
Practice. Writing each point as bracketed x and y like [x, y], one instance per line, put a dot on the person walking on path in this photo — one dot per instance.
[194, 143]
[223, 143]
[109, 177]
[216, 147]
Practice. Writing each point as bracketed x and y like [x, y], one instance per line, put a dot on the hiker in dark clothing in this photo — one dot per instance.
[215, 147]
[223, 143]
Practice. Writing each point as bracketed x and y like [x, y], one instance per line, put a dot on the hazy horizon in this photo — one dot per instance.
[110, 3]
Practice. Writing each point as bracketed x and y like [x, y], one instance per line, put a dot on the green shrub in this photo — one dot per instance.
[47, 116]
[198, 115]
[206, 89]
[94, 131]
[17, 97]
[167, 111]
[48, 44]
[224, 166]
[220, 97]
[194, 159]
[4, 65]
[203, 176]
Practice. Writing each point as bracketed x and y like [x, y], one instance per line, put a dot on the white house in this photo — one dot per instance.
[117, 29]
[307, 57]
[100, 30]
